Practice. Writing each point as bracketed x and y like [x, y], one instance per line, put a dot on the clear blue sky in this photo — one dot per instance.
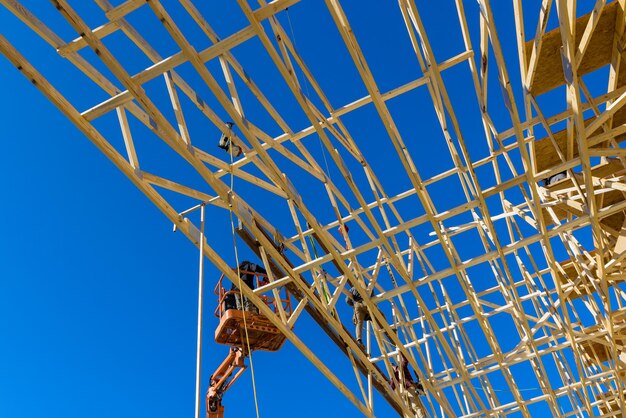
[98, 296]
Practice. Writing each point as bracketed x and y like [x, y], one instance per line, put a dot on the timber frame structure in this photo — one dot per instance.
[548, 259]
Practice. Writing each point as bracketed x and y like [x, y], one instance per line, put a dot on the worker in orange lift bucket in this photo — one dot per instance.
[407, 386]
[360, 315]
[247, 272]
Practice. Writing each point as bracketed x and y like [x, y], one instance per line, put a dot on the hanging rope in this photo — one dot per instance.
[232, 227]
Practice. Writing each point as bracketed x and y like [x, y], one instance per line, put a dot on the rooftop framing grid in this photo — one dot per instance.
[545, 261]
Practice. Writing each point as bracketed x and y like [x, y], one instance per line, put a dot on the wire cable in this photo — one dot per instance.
[325, 291]
[306, 88]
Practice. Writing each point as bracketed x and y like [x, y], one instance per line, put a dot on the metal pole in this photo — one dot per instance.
[199, 336]
[370, 394]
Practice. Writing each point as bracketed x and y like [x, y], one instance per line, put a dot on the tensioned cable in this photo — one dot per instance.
[306, 88]
[319, 140]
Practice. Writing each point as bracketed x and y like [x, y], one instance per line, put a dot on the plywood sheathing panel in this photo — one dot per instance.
[584, 286]
[610, 405]
[546, 156]
[600, 351]
[606, 169]
[549, 71]
[549, 75]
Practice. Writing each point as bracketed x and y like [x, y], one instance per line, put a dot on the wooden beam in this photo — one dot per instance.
[549, 74]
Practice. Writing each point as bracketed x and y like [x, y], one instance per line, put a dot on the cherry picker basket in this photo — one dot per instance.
[238, 316]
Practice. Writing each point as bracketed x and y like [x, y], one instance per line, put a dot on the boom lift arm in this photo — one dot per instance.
[226, 374]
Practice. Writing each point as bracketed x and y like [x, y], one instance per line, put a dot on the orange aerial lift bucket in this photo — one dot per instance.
[244, 329]
[262, 334]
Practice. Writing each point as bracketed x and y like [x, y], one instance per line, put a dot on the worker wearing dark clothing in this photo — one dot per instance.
[406, 376]
[553, 179]
[226, 142]
[407, 386]
[361, 313]
[247, 272]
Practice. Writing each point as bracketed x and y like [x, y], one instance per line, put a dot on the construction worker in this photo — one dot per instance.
[360, 315]
[553, 179]
[408, 387]
[226, 142]
[247, 272]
